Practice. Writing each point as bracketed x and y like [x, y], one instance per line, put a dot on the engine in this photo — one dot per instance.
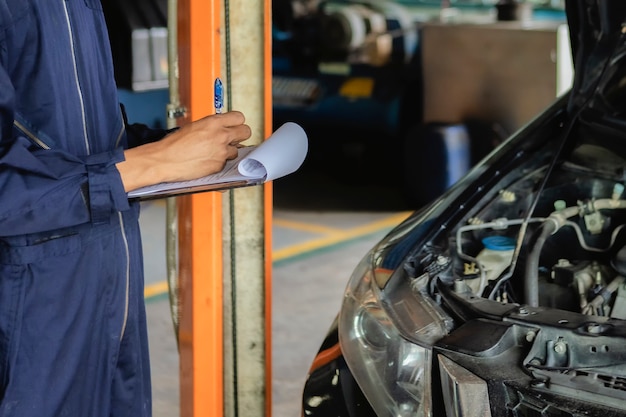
[570, 255]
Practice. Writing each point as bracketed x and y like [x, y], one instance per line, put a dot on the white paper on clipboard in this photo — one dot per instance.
[279, 155]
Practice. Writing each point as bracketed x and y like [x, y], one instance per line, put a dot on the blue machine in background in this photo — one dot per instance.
[350, 73]
[342, 67]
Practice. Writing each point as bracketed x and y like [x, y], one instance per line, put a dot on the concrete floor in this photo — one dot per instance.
[322, 228]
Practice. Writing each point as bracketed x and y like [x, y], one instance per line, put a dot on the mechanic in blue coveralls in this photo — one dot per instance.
[72, 320]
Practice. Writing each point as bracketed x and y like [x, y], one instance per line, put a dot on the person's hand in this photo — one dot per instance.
[193, 151]
[202, 147]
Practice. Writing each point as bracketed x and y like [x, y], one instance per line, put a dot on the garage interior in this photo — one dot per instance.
[353, 186]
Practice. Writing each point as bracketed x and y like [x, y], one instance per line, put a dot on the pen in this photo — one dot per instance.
[218, 90]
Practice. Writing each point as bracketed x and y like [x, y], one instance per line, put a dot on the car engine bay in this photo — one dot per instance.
[539, 265]
[574, 256]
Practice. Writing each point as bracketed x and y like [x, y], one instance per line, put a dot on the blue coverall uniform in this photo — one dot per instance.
[72, 320]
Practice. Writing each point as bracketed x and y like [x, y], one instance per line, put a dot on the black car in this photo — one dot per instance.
[506, 296]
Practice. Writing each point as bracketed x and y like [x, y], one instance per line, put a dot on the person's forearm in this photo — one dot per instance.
[193, 151]
[141, 167]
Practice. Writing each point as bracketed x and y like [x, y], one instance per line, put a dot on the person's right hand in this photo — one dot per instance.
[193, 151]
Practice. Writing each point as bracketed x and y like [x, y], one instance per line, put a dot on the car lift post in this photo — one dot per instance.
[224, 239]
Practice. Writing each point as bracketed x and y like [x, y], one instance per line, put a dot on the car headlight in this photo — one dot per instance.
[393, 373]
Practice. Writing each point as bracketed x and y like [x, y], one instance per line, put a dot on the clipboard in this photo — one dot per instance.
[279, 155]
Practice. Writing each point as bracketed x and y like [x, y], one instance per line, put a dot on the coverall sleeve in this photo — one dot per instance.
[43, 189]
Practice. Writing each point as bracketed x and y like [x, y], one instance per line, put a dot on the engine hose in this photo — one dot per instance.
[595, 306]
[531, 279]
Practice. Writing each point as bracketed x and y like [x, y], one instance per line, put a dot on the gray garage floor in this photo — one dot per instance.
[338, 222]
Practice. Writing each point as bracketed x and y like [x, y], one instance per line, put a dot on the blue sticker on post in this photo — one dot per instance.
[218, 90]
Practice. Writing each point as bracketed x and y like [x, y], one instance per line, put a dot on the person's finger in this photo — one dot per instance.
[233, 151]
[239, 133]
[231, 118]
[237, 141]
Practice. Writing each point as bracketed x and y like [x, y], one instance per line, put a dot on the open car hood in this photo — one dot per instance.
[597, 38]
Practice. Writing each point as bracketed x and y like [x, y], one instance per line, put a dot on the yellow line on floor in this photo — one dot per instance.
[305, 227]
[337, 236]
[152, 290]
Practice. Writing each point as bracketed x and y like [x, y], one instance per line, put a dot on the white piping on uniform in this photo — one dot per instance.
[31, 135]
[119, 135]
[126, 297]
[78, 88]
[87, 148]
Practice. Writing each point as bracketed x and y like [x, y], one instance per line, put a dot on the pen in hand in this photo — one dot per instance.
[218, 90]
[218, 100]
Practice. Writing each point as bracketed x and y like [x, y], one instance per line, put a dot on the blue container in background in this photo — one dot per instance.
[436, 156]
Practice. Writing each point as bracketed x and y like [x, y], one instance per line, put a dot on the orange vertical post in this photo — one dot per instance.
[200, 225]
[269, 204]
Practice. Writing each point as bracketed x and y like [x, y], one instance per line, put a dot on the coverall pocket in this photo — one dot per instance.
[11, 307]
[30, 268]
[37, 247]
